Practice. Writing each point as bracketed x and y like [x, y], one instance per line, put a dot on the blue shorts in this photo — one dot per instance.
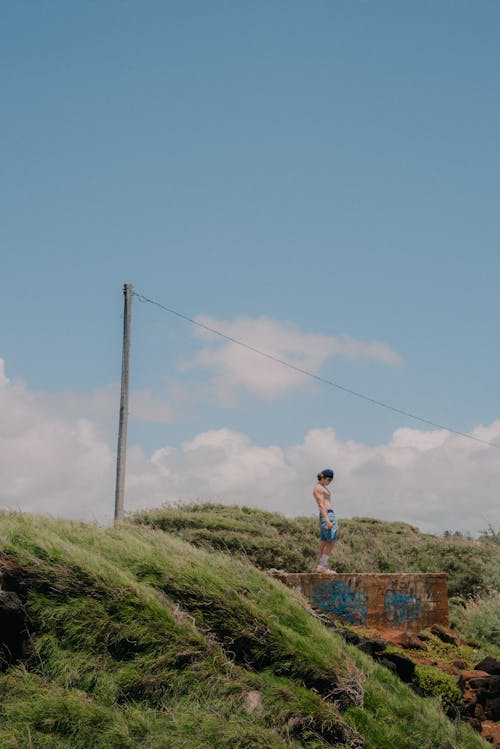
[328, 534]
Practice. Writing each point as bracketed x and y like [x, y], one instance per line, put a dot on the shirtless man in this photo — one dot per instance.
[327, 521]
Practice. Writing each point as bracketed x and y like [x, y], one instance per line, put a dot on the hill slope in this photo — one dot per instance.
[270, 540]
[365, 545]
[134, 638]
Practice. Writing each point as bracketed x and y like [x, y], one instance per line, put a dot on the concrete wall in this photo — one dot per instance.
[397, 601]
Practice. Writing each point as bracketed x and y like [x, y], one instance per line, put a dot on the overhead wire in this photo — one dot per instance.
[312, 375]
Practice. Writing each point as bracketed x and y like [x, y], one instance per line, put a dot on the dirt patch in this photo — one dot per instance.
[490, 731]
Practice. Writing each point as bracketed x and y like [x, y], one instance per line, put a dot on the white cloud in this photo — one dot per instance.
[435, 480]
[4, 380]
[234, 366]
[223, 462]
[55, 458]
[144, 405]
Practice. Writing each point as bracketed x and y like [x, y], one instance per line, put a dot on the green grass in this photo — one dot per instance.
[140, 639]
[270, 540]
[478, 619]
[441, 685]
[444, 653]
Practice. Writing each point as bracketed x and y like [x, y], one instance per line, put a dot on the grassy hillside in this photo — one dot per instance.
[270, 540]
[139, 639]
[365, 544]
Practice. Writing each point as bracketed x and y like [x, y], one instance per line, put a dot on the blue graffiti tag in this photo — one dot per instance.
[400, 606]
[339, 598]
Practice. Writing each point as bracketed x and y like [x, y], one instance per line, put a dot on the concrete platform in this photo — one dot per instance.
[407, 601]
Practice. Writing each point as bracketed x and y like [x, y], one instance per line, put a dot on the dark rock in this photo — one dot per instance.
[490, 665]
[473, 644]
[444, 634]
[12, 629]
[372, 646]
[388, 664]
[351, 637]
[417, 689]
[468, 708]
[475, 723]
[10, 601]
[478, 711]
[492, 708]
[405, 668]
[452, 712]
[13, 577]
[423, 637]
[486, 686]
[411, 641]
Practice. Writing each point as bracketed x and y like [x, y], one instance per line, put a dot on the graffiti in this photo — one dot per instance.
[340, 598]
[401, 607]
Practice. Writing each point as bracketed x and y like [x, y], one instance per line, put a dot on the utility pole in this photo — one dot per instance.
[122, 428]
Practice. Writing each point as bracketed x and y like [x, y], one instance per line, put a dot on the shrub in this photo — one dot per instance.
[437, 683]
[478, 619]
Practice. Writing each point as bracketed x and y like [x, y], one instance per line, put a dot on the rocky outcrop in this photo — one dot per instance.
[376, 647]
[15, 643]
[481, 691]
[480, 687]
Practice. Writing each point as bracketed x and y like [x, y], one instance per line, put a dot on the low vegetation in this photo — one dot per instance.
[270, 540]
[478, 619]
[436, 683]
[136, 638]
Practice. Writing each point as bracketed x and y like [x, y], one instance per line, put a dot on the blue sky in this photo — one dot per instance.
[319, 180]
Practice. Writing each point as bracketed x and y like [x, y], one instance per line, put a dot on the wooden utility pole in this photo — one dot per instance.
[122, 428]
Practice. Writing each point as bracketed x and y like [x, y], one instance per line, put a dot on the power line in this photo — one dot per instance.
[316, 377]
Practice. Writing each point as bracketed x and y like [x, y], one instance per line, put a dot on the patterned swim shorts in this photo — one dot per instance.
[328, 534]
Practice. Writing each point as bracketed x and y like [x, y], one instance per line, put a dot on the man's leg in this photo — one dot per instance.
[322, 545]
[329, 549]
[325, 551]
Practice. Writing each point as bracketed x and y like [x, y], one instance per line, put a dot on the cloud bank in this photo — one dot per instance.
[54, 460]
[233, 368]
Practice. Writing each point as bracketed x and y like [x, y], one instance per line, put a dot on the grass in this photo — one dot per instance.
[441, 685]
[140, 639]
[478, 619]
[270, 540]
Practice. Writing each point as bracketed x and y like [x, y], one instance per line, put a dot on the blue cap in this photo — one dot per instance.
[327, 473]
